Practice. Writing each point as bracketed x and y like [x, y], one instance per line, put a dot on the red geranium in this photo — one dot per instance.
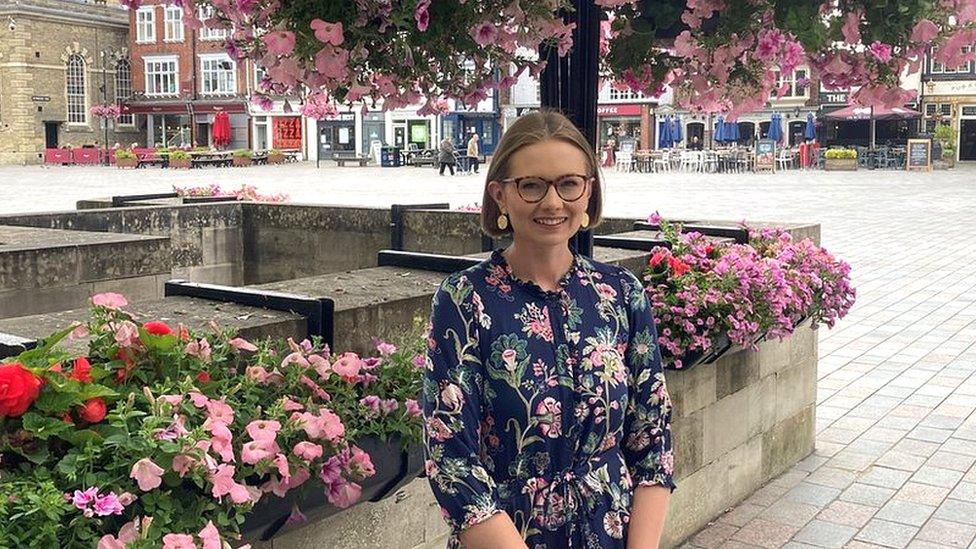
[658, 257]
[155, 327]
[203, 377]
[18, 389]
[81, 370]
[93, 410]
[678, 267]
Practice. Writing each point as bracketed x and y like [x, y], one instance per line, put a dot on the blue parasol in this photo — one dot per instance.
[676, 133]
[776, 128]
[664, 140]
[810, 132]
[720, 129]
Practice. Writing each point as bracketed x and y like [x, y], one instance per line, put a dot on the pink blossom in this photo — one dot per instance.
[81, 500]
[127, 498]
[421, 15]
[880, 51]
[294, 358]
[413, 409]
[220, 440]
[199, 349]
[263, 430]
[172, 400]
[147, 474]
[199, 399]
[322, 366]
[265, 103]
[210, 536]
[372, 402]
[80, 332]
[485, 34]
[343, 494]
[126, 333]
[360, 464]
[308, 450]
[178, 541]
[182, 464]
[254, 451]
[224, 484]
[220, 412]
[281, 463]
[925, 31]
[257, 373]
[385, 349]
[420, 361]
[127, 534]
[279, 42]
[331, 471]
[348, 366]
[109, 300]
[242, 344]
[108, 504]
[292, 406]
[328, 33]
[389, 405]
[324, 425]
[851, 29]
[296, 516]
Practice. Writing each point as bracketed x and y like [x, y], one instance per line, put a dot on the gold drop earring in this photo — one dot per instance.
[503, 221]
[586, 220]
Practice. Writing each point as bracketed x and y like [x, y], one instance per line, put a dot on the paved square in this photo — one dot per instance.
[896, 430]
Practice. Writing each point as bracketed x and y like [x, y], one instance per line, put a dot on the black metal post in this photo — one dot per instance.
[571, 84]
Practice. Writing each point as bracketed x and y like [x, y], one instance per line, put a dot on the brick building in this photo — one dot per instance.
[57, 59]
[182, 77]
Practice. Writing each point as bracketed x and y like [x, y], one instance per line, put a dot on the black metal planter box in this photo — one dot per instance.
[394, 469]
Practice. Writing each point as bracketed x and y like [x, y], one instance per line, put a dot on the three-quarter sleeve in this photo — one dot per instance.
[452, 408]
[647, 423]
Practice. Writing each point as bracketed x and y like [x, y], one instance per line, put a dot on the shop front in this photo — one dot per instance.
[461, 124]
[336, 134]
[953, 102]
[621, 122]
[373, 134]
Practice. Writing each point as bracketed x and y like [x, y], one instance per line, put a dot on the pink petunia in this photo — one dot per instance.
[421, 15]
[147, 474]
[348, 366]
[880, 51]
[360, 463]
[81, 500]
[279, 42]
[253, 452]
[108, 504]
[328, 33]
[484, 34]
[413, 409]
[218, 411]
[308, 450]
[343, 494]
[199, 349]
[242, 344]
[210, 536]
[178, 541]
[263, 430]
[371, 402]
[324, 425]
[385, 349]
[257, 373]
[109, 300]
[295, 358]
[126, 333]
[292, 406]
[281, 463]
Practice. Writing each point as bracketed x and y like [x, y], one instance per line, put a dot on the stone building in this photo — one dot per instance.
[948, 96]
[58, 58]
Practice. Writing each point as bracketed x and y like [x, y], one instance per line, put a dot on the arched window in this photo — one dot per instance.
[75, 88]
[123, 88]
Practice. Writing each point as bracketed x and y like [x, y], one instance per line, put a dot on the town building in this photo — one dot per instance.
[58, 58]
[948, 96]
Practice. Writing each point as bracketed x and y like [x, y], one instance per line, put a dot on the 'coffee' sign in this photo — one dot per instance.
[618, 110]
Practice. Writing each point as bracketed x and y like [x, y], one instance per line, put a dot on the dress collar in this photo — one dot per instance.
[498, 260]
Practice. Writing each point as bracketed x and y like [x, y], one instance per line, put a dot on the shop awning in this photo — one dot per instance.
[854, 112]
[181, 107]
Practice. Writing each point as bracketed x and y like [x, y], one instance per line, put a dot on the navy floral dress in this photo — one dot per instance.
[548, 406]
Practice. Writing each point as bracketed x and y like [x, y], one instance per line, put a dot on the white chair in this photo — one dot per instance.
[662, 162]
[785, 159]
[625, 161]
[690, 161]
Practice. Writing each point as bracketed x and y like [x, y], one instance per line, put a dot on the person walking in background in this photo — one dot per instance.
[473, 151]
[446, 155]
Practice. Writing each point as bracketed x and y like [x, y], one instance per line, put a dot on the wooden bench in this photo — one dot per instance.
[341, 159]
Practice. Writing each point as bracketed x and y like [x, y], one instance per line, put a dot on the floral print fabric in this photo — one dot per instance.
[548, 406]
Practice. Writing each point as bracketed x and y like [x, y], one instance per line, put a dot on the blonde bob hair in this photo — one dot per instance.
[528, 130]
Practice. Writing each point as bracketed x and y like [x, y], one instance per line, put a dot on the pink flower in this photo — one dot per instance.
[199, 399]
[328, 33]
[253, 452]
[224, 484]
[263, 430]
[82, 499]
[484, 34]
[851, 29]
[331, 471]
[182, 464]
[281, 462]
[210, 536]
[389, 405]
[218, 411]
[257, 373]
[421, 15]
[343, 494]
[413, 409]
[880, 51]
[324, 425]
[178, 541]
[420, 361]
[148, 475]
[199, 349]
[127, 534]
[925, 31]
[295, 358]
[80, 332]
[172, 400]
[127, 498]
[242, 344]
[126, 333]
[292, 406]
[348, 366]
[452, 396]
[108, 504]
[360, 464]
[279, 42]
[296, 516]
[372, 402]
[308, 450]
[385, 349]
[220, 440]
[109, 300]
[332, 62]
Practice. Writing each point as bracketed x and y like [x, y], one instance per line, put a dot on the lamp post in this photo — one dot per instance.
[105, 53]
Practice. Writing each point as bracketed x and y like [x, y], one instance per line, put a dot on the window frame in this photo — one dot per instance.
[177, 24]
[80, 72]
[207, 34]
[127, 120]
[205, 59]
[141, 26]
[149, 59]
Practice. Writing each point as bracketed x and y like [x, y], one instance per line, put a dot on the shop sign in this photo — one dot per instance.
[41, 98]
[287, 132]
[833, 97]
[618, 110]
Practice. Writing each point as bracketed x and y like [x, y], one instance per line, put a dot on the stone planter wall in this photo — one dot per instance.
[840, 165]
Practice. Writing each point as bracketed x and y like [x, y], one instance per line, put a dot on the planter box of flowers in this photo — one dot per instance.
[126, 159]
[711, 297]
[840, 160]
[275, 157]
[159, 436]
[242, 158]
[179, 160]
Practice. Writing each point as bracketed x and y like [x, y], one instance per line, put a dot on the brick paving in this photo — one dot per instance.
[895, 464]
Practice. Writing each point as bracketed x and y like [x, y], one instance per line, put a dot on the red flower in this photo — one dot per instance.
[678, 267]
[93, 410]
[658, 257]
[203, 377]
[158, 328]
[66, 417]
[18, 389]
[81, 370]
[709, 249]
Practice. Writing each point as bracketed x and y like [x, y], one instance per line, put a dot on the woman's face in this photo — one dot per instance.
[551, 221]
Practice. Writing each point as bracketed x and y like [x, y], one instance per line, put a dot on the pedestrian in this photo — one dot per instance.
[474, 151]
[446, 154]
[547, 418]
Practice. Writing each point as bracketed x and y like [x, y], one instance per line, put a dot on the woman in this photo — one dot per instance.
[445, 154]
[474, 151]
[547, 417]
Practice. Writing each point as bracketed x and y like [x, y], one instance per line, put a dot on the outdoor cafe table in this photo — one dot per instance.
[218, 158]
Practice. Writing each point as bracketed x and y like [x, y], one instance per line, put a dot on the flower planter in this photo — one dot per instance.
[944, 164]
[242, 161]
[394, 469]
[127, 162]
[180, 163]
[276, 159]
[840, 165]
[720, 346]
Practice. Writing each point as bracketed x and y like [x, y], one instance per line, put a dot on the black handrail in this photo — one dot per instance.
[425, 262]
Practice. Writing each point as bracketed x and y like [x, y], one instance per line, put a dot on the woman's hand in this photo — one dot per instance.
[498, 532]
[647, 517]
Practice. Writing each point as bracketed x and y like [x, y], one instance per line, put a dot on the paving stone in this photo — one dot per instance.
[901, 460]
[825, 534]
[951, 460]
[847, 513]
[964, 491]
[886, 533]
[813, 494]
[741, 514]
[832, 477]
[790, 512]
[957, 511]
[765, 533]
[948, 533]
[906, 512]
[922, 493]
[714, 535]
[937, 476]
[866, 494]
[884, 477]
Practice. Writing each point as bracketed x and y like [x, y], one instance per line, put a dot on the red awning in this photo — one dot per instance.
[171, 107]
[854, 112]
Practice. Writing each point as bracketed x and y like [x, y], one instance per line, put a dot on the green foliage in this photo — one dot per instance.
[125, 154]
[179, 155]
[243, 153]
[837, 154]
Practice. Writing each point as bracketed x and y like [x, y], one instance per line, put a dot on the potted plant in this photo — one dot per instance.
[275, 156]
[125, 158]
[171, 437]
[840, 160]
[179, 159]
[242, 157]
[945, 134]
